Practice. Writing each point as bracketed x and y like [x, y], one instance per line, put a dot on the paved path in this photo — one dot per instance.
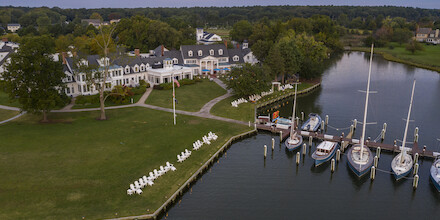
[70, 105]
[17, 116]
[203, 113]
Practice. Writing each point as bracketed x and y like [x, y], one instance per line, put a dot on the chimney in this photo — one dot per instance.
[436, 32]
[5, 39]
[226, 43]
[137, 52]
[238, 46]
[63, 54]
[162, 49]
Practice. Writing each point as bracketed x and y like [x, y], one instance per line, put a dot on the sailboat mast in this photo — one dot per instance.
[292, 127]
[364, 124]
[407, 122]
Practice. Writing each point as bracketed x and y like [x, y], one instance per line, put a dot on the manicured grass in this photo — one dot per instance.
[244, 112]
[189, 97]
[428, 59]
[6, 114]
[108, 102]
[4, 100]
[82, 167]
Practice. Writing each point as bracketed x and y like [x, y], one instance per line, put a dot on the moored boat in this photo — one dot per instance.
[324, 152]
[403, 162]
[435, 173]
[360, 158]
[313, 123]
[295, 140]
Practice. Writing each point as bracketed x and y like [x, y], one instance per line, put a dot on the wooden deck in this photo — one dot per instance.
[349, 140]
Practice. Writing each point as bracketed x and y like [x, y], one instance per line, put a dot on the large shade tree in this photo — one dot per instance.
[34, 77]
[248, 80]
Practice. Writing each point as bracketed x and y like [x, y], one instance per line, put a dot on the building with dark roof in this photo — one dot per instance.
[206, 38]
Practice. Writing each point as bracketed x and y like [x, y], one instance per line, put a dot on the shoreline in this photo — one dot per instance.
[392, 58]
[194, 177]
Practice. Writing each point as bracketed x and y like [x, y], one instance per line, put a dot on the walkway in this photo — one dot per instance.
[204, 112]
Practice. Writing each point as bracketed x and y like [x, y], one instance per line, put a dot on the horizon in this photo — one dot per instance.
[66, 4]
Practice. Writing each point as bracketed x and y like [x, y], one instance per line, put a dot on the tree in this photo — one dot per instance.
[63, 42]
[402, 35]
[34, 77]
[414, 46]
[96, 15]
[275, 61]
[248, 80]
[291, 54]
[241, 30]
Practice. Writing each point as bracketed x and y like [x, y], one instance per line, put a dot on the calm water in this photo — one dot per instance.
[244, 185]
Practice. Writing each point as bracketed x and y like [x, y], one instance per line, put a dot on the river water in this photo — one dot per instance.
[244, 185]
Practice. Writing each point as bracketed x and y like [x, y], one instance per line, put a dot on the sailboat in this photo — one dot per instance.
[359, 156]
[435, 172]
[403, 162]
[294, 140]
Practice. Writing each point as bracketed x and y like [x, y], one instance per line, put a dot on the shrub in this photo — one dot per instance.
[139, 90]
[87, 99]
[158, 87]
[121, 94]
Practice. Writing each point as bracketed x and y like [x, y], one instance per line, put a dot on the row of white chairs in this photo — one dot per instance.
[205, 140]
[266, 93]
[237, 102]
[183, 156]
[138, 185]
[254, 98]
[287, 86]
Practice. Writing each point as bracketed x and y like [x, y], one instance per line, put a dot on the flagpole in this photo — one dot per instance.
[174, 101]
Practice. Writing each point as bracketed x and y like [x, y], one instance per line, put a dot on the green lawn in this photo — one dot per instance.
[82, 167]
[189, 97]
[429, 58]
[244, 112]
[4, 100]
[108, 102]
[6, 114]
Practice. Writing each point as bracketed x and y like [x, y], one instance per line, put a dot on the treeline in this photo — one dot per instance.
[348, 16]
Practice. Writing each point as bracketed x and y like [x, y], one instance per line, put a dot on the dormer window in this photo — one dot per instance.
[127, 69]
[136, 69]
[235, 58]
[190, 53]
[220, 52]
[142, 67]
[175, 61]
[200, 53]
[211, 52]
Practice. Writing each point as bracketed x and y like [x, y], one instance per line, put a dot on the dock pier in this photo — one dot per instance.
[349, 140]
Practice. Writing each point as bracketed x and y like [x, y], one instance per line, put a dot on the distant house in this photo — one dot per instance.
[13, 27]
[428, 35]
[95, 22]
[6, 49]
[206, 38]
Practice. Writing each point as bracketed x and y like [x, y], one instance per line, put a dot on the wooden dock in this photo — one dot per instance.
[349, 140]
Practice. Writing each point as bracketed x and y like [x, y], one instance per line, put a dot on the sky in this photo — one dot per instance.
[431, 4]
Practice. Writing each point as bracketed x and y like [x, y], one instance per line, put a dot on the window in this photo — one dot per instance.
[211, 52]
[136, 69]
[190, 53]
[67, 90]
[200, 53]
[235, 58]
[127, 69]
[175, 61]
[79, 88]
[220, 52]
[142, 67]
[73, 89]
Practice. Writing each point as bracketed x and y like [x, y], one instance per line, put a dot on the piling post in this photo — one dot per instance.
[416, 169]
[302, 116]
[416, 157]
[338, 155]
[265, 151]
[416, 131]
[354, 123]
[310, 141]
[342, 146]
[255, 126]
[297, 158]
[333, 165]
[249, 123]
[416, 181]
[378, 152]
[382, 134]
[376, 161]
[351, 128]
[326, 120]
[373, 173]
[416, 138]
[304, 149]
[297, 122]
[322, 126]
[273, 143]
[385, 126]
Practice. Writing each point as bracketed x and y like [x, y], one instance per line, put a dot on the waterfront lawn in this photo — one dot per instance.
[301, 86]
[429, 58]
[244, 112]
[189, 97]
[6, 114]
[4, 100]
[80, 167]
